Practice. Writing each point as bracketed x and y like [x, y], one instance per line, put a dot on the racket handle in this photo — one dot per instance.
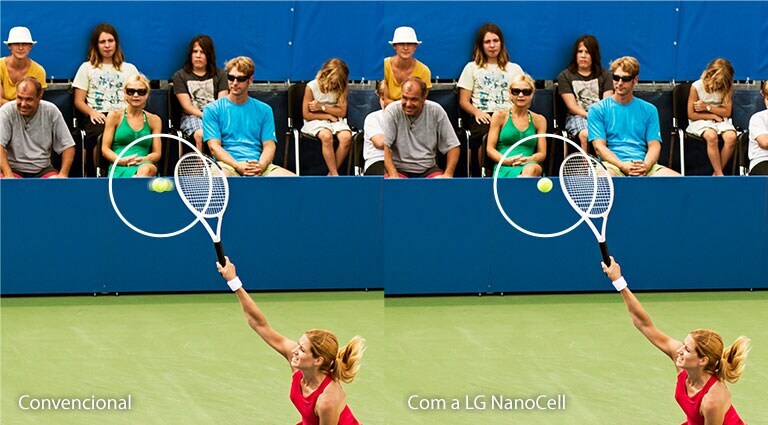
[220, 253]
[604, 251]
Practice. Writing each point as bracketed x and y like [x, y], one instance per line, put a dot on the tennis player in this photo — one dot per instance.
[702, 364]
[317, 364]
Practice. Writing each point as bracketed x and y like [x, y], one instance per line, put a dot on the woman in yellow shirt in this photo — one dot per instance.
[402, 65]
[17, 65]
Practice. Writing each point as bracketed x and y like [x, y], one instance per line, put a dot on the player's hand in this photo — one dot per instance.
[97, 117]
[613, 271]
[513, 160]
[482, 117]
[227, 271]
[699, 106]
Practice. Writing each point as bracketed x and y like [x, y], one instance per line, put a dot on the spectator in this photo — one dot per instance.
[18, 65]
[414, 129]
[625, 131]
[581, 85]
[484, 83]
[29, 129]
[325, 109]
[373, 133]
[709, 112]
[196, 85]
[401, 66]
[240, 130]
[511, 125]
[100, 81]
[120, 131]
[758, 138]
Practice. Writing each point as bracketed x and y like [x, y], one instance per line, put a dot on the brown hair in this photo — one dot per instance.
[718, 78]
[34, 82]
[94, 57]
[209, 51]
[418, 81]
[590, 42]
[725, 364]
[478, 54]
[333, 77]
[341, 364]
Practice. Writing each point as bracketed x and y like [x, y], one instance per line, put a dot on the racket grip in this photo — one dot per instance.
[604, 252]
[220, 253]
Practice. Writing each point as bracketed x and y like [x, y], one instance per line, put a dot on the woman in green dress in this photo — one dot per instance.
[511, 125]
[124, 126]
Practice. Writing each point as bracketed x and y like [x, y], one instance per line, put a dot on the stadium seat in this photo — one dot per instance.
[63, 100]
[448, 98]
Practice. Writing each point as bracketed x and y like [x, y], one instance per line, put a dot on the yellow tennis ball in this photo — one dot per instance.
[544, 185]
[167, 185]
[157, 185]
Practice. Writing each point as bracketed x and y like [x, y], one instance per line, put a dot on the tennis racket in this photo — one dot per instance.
[203, 187]
[588, 187]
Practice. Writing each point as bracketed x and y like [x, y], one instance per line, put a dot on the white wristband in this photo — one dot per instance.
[620, 283]
[235, 284]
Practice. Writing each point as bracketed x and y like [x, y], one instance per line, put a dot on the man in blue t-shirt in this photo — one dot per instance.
[240, 130]
[625, 130]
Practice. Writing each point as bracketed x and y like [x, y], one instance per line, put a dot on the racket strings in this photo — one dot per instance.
[587, 184]
[202, 185]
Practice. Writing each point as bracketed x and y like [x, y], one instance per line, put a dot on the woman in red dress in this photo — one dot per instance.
[703, 365]
[318, 365]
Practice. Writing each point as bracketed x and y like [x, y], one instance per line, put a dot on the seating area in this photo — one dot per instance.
[683, 153]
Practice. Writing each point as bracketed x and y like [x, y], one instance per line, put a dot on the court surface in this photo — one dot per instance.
[192, 359]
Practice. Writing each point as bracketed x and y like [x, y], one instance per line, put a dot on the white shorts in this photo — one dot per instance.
[698, 127]
[313, 127]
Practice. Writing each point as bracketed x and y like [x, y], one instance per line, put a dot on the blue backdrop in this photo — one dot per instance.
[407, 236]
[289, 40]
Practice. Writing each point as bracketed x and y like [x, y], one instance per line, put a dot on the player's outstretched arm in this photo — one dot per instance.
[640, 317]
[255, 317]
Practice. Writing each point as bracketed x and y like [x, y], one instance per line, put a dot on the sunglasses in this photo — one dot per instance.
[140, 92]
[626, 78]
[517, 92]
[240, 79]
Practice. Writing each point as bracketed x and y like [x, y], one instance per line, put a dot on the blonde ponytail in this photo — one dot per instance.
[348, 360]
[733, 360]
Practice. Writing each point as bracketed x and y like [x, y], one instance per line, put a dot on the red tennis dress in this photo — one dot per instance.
[692, 405]
[306, 405]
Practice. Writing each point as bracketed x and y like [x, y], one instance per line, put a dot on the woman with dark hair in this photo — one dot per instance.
[100, 81]
[196, 85]
[703, 363]
[485, 81]
[318, 364]
[583, 84]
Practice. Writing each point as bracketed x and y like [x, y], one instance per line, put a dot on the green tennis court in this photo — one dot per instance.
[185, 359]
[192, 358]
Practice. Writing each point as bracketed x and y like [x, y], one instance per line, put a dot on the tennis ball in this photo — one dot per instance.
[167, 184]
[544, 185]
[157, 185]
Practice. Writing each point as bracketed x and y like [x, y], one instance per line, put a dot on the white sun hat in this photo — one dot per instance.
[404, 35]
[19, 35]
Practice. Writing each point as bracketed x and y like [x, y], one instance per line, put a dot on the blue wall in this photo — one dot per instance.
[291, 39]
[409, 237]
